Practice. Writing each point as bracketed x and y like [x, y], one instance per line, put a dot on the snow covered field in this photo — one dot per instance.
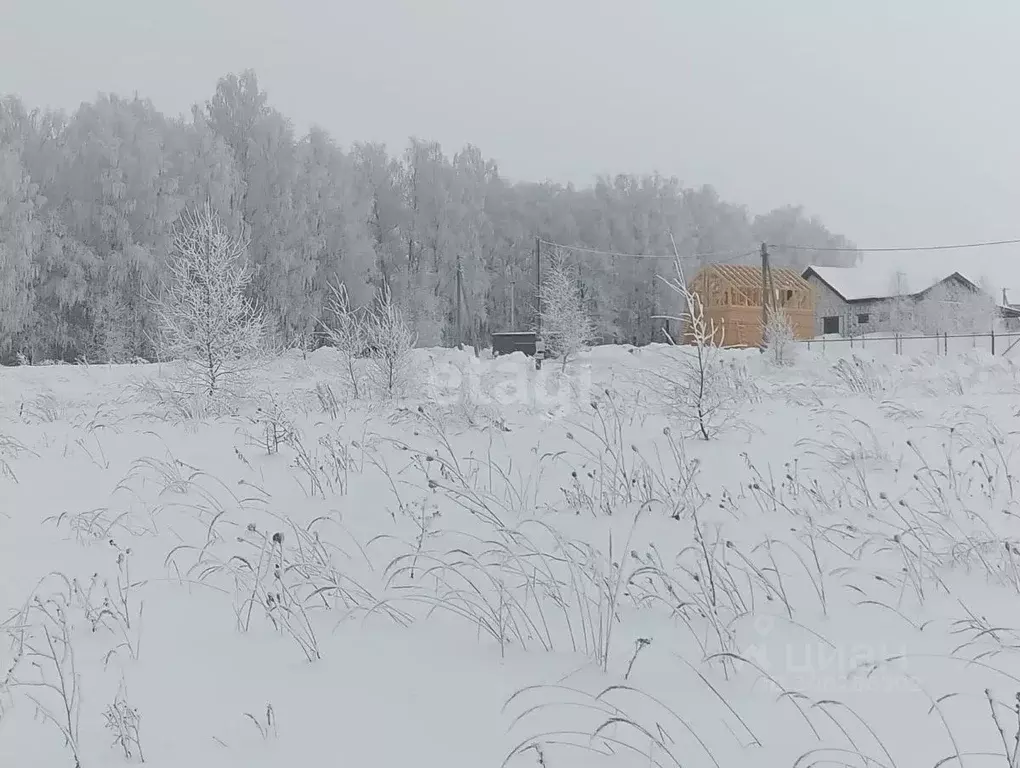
[514, 568]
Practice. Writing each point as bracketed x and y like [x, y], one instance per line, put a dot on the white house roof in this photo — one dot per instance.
[993, 268]
[856, 283]
[863, 283]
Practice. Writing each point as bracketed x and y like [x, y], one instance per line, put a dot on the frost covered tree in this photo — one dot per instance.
[87, 226]
[347, 330]
[126, 203]
[567, 326]
[791, 225]
[19, 240]
[698, 385]
[953, 307]
[779, 337]
[901, 307]
[391, 341]
[204, 317]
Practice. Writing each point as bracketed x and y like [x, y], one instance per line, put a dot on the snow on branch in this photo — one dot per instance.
[567, 326]
[700, 387]
[204, 317]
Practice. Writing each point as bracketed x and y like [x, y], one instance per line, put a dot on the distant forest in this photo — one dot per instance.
[88, 201]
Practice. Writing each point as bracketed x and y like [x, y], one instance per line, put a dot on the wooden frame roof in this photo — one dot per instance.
[746, 276]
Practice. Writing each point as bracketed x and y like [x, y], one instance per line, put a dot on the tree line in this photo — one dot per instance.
[88, 202]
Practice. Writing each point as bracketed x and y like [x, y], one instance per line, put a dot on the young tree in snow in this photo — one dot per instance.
[567, 326]
[391, 342]
[347, 331]
[700, 384]
[779, 337]
[205, 319]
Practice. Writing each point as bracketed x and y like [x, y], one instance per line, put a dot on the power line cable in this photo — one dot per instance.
[902, 249]
[787, 246]
[581, 249]
[729, 260]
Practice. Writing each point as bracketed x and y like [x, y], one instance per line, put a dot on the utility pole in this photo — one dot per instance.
[513, 320]
[539, 344]
[460, 291]
[538, 285]
[765, 275]
[470, 316]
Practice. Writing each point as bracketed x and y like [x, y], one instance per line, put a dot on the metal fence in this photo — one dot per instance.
[939, 343]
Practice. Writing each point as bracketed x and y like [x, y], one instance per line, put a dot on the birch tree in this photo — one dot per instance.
[347, 329]
[205, 319]
[111, 179]
[19, 240]
[391, 340]
[951, 307]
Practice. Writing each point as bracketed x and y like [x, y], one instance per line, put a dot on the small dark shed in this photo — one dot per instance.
[508, 343]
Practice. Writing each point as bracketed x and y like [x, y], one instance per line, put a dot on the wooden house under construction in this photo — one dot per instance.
[731, 296]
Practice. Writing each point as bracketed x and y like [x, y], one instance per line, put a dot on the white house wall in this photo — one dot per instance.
[828, 303]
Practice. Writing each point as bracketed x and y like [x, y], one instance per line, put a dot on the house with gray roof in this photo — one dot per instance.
[852, 301]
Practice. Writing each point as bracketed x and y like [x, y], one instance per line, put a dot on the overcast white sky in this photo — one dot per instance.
[897, 121]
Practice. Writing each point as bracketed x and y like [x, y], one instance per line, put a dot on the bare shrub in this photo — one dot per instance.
[114, 606]
[174, 397]
[283, 576]
[616, 472]
[45, 668]
[44, 408]
[10, 448]
[608, 727]
[861, 376]
[124, 722]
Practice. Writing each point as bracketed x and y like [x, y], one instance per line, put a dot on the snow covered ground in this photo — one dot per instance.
[519, 568]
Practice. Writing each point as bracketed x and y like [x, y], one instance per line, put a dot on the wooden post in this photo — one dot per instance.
[993, 341]
[538, 285]
[513, 320]
[467, 310]
[460, 292]
[764, 293]
[539, 344]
